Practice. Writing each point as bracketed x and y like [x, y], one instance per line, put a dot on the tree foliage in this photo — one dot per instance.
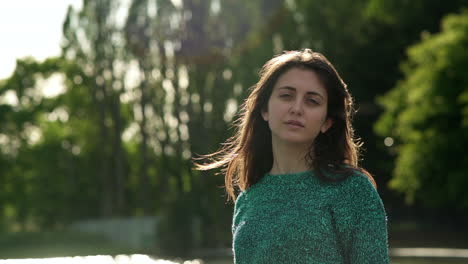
[144, 93]
[427, 115]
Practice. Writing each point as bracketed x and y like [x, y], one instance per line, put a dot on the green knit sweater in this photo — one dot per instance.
[297, 218]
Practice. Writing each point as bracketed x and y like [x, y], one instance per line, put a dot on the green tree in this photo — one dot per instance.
[44, 169]
[366, 41]
[92, 42]
[427, 116]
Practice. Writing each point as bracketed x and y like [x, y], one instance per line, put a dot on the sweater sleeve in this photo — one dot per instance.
[361, 222]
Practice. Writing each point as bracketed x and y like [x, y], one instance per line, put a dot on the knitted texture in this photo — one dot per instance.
[297, 218]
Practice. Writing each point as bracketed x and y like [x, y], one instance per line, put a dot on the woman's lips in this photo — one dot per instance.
[294, 123]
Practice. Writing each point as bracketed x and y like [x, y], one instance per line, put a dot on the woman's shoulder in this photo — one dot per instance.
[357, 190]
[356, 182]
[348, 176]
[240, 196]
[245, 194]
[357, 178]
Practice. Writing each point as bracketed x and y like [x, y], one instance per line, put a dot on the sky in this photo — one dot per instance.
[30, 28]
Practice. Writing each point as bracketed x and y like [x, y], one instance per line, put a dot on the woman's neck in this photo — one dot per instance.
[289, 158]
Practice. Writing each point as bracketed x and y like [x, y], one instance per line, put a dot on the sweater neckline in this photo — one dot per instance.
[287, 178]
[290, 174]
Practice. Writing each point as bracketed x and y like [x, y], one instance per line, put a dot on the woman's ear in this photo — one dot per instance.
[265, 114]
[326, 125]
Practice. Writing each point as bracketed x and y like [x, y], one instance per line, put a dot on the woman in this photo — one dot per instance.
[303, 198]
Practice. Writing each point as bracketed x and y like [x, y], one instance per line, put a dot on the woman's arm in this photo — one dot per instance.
[361, 222]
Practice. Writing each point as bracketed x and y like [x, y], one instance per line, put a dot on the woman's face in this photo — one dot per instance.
[297, 108]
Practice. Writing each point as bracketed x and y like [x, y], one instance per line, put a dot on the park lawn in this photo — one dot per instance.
[58, 244]
[413, 234]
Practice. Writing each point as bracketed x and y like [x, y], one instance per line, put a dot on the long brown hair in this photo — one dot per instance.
[248, 155]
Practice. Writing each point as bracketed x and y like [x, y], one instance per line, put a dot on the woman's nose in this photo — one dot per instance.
[297, 107]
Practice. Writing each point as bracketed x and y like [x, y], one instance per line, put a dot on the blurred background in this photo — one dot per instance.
[104, 103]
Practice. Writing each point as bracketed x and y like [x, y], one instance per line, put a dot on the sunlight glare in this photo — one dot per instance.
[388, 141]
[52, 86]
[9, 98]
[100, 259]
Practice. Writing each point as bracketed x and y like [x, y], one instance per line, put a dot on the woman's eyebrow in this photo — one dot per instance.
[294, 89]
[287, 88]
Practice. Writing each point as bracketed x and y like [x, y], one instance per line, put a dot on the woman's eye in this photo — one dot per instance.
[313, 101]
[285, 95]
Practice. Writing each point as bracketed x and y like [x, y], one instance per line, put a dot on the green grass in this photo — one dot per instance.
[57, 244]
